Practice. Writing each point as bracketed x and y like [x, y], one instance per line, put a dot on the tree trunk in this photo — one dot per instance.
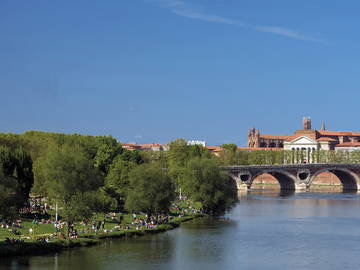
[68, 229]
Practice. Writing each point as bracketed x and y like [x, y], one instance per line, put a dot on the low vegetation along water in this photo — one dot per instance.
[266, 230]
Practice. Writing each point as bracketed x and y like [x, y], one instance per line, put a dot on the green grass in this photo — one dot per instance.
[41, 229]
[48, 230]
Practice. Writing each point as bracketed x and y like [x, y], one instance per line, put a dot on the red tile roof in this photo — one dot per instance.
[293, 137]
[214, 148]
[130, 145]
[259, 148]
[326, 139]
[274, 137]
[150, 145]
[337, 133]
[349, 144]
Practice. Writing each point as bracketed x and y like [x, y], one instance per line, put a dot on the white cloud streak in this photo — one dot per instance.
[181, 8]
[286, 32]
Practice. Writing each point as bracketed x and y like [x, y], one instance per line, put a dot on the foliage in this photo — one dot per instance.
[117, 180]
[151, 190]
[160, 157]
[230, 146]
[17, 168]
[179, 155]
[100, 149]
[104, 157]
[206, 183]
[69, 177]
[8, 200]
[132, 156]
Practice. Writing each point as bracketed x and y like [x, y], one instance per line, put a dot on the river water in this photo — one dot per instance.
[266, 230]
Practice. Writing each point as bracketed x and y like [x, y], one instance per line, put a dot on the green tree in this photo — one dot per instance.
[70, 177]
[8, 198]
[117, 181]
[228, 156]
[180, 153]
[132, 156]
[17, 165]
[229, 146]
[206, 183]
[151, 190]
[242, 157]
[104, 157]
[160, 157]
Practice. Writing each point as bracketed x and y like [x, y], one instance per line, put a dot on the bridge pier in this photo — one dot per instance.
[301, 187]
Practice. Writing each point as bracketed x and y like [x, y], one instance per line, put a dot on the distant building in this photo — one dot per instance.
[348, 146]
[131, 146]
[145, 147]
[154, 147]
[215, 149]
[306, 139]
[195, 142]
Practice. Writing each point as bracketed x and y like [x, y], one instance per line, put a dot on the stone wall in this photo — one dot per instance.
[326, 178]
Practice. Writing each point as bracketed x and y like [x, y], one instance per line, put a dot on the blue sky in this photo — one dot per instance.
[155, 70]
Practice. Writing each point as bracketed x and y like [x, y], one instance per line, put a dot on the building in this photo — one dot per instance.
[255, 140]
[307, 139]
[145, 147]
[197, 142]
[215, 149]
[131, 146]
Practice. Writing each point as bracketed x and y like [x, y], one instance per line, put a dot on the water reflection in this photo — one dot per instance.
[271, 192]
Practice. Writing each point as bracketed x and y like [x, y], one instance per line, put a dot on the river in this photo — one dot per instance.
[266, 230]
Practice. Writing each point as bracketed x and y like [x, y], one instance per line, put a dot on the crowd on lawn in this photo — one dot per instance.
[35, 206]
[135, 221]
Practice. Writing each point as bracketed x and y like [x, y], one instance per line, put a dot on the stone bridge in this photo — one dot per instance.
[296, 176]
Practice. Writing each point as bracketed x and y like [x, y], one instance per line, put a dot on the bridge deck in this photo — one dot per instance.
[295, 166]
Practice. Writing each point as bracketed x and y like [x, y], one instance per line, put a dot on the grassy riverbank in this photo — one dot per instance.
[33, 247]
[40, 236]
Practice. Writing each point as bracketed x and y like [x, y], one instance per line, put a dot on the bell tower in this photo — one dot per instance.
[253, 137]
[307, 123]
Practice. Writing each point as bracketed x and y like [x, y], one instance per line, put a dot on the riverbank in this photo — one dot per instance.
[57, 245]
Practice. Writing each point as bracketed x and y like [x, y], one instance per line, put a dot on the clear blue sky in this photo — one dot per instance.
[155, 70]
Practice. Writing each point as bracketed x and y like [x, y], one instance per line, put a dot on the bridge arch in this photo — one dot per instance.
[348, 179]
[285, 179]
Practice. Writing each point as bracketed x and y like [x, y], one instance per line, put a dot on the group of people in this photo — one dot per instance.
[12, 226]
[13, 240]
[185, 210]
[138, 222]
[35, 205]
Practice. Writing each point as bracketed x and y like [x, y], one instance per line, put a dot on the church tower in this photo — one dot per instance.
[307, 123]
[253, 137]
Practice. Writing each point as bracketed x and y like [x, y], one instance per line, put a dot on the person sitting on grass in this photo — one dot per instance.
[15, 231]
[73, 234]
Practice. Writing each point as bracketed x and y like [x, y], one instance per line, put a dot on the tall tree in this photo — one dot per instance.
[117, 181]
[151, 190]
[206, 183]
[8, 198]
[70, 177]
[17, 165]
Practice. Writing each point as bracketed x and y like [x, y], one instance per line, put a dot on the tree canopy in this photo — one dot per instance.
[205, 182]
[17, 172]
[151, 190]
[69, 178]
